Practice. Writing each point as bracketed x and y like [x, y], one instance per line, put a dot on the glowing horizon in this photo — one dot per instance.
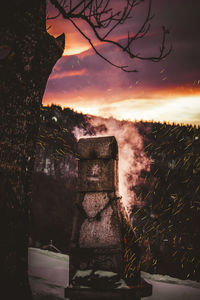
[74, 50]
[180, 110]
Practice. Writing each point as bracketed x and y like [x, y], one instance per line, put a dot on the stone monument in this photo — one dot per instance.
[97, 249]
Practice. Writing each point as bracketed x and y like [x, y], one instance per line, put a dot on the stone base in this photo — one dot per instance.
[135, 292]
[110, 259]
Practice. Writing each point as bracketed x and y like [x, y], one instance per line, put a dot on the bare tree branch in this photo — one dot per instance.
[57, 15]
[100, 16]
[143, 29]
[98, 53]
[53, 18]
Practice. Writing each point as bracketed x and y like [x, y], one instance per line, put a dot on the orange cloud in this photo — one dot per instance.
[68, 74]
[75, 43]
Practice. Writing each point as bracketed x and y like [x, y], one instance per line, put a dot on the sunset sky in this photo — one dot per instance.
[165, 91]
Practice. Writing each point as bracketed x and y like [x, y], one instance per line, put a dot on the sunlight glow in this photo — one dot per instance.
[74, 51]
[92, 110]
[179, 110]
[67, 74]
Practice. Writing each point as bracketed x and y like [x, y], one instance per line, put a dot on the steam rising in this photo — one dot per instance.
[132, 159]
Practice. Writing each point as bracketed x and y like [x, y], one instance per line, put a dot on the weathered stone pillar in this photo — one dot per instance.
[96, 237]
[97, 249]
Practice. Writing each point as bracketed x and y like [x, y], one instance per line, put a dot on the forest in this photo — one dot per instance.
[167, 225]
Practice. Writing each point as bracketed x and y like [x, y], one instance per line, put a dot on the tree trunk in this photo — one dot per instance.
[27, 56]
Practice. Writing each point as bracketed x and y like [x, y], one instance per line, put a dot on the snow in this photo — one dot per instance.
[48, 275]
[101, 273]
[169, 279]
[122, 284]
[83, 273]
[170, 291]
[48, 253]
[48, 272]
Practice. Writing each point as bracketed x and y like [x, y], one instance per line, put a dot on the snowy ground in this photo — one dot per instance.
[48, 275]
[48, 272]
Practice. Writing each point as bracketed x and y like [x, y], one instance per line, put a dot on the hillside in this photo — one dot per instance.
[168, 223]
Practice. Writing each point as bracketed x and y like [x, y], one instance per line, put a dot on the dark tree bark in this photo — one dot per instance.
[27, 56]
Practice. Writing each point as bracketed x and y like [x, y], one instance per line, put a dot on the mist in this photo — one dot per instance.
[132, 158]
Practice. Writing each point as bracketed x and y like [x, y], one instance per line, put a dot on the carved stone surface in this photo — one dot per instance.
[97, 238]
[97, 175]
[100, 147]
[94, 202]
[104, 232]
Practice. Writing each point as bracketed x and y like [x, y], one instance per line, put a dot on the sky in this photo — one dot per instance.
[161, 91]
